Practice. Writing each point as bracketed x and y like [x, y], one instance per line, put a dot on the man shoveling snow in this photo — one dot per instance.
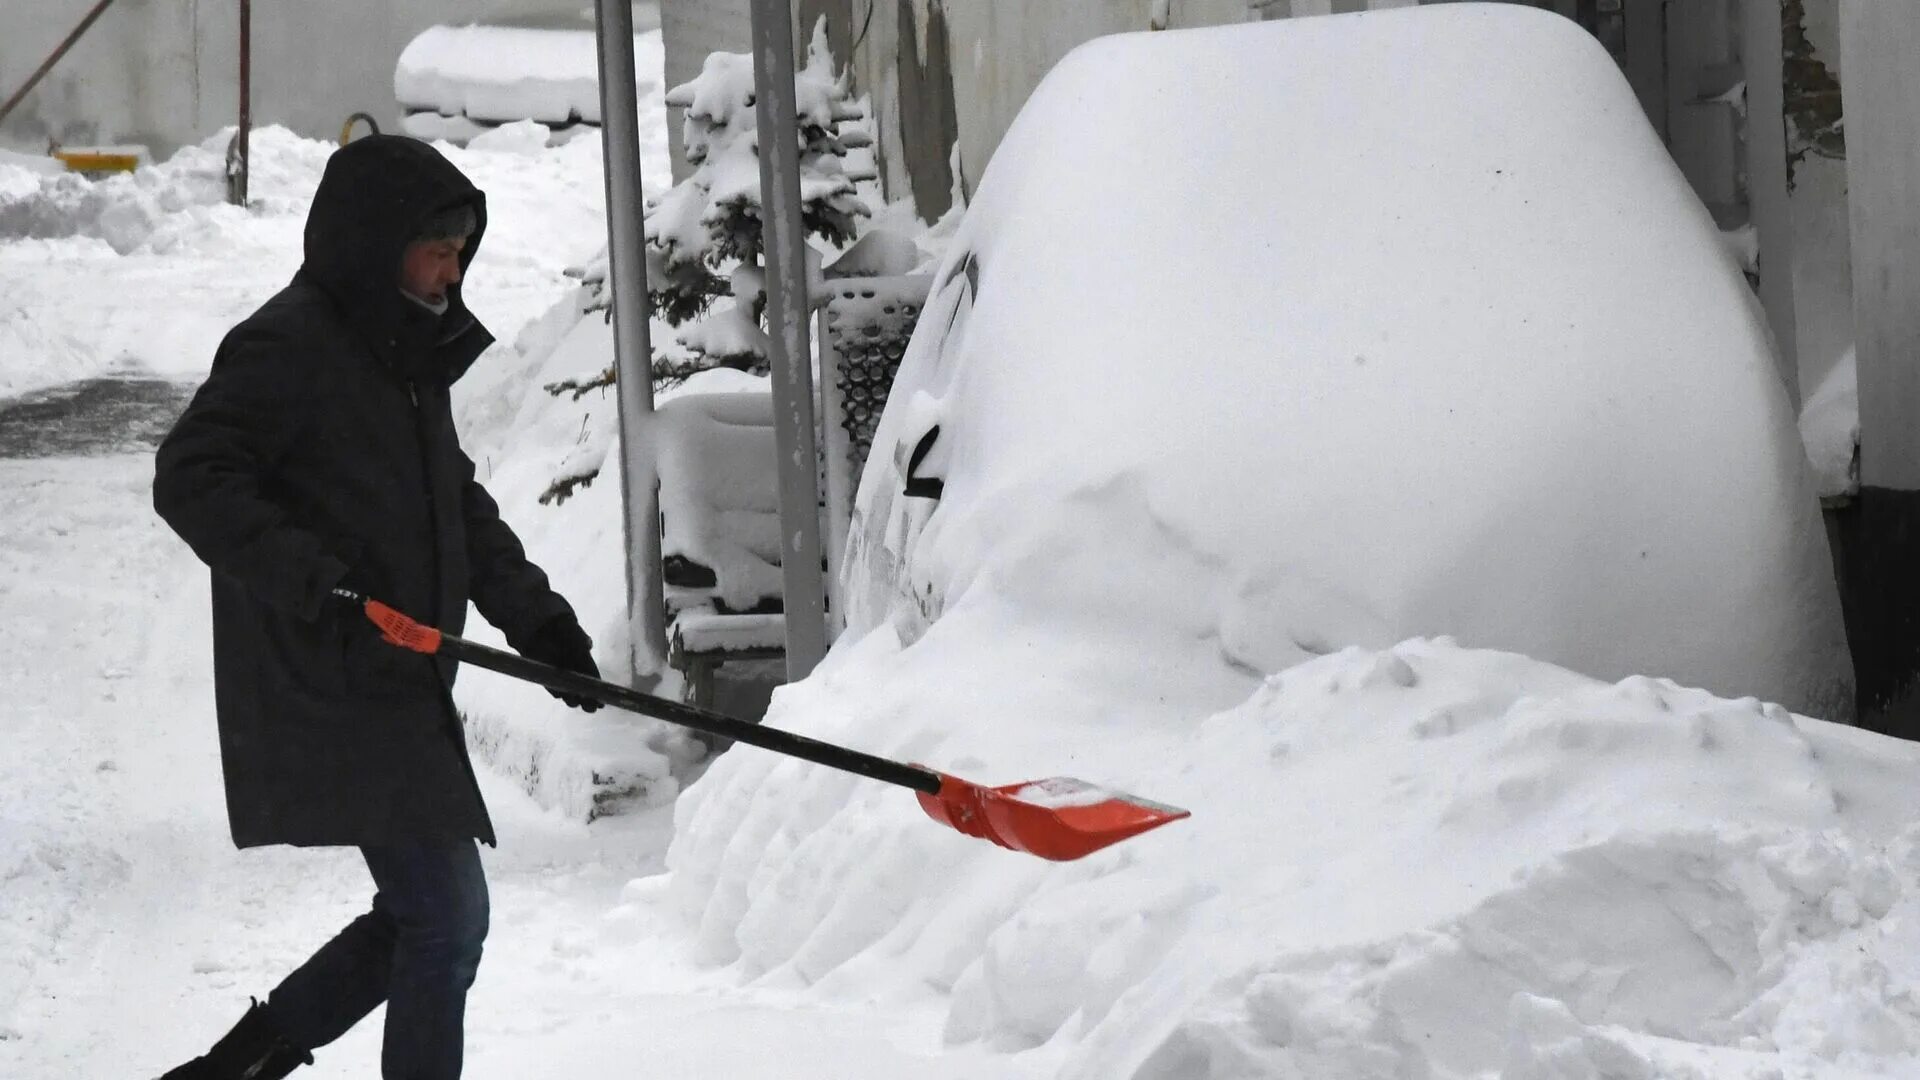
[320, 452]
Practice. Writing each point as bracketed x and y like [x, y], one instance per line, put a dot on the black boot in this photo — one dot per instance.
[253, 1050]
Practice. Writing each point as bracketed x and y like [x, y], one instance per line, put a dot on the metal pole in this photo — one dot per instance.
[786, 247]
[39, 73]
[633, 352]
[237, 183]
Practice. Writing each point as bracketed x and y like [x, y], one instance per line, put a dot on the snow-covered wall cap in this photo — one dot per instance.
[500, 74]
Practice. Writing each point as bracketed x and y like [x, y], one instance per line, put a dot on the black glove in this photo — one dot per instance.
[562, 643]
[345, 617]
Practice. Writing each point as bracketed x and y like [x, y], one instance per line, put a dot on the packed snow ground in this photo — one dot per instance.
[1413, 860]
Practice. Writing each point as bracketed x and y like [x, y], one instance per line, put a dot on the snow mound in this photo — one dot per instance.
[527, 137]
[1418, 861]
[179, 204]
[184, 266]
[21, 174]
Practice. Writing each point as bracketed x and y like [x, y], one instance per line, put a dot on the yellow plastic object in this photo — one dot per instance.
[98, 160]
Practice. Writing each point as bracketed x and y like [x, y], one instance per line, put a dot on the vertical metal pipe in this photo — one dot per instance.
[786, 247]
[237, 183]
[633, 352]
[836, 449]
[53, 58]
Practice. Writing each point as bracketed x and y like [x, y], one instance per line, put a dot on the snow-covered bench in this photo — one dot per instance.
[719, 503]
[720, 534]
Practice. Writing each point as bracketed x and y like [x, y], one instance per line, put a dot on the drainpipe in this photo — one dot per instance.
[792, 356]
[633, 352]
[237, 153]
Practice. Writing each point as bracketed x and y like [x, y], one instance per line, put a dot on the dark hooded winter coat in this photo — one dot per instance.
[322, 442]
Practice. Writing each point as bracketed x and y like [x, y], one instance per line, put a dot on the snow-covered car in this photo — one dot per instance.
[1352, 430]
[1355, 355]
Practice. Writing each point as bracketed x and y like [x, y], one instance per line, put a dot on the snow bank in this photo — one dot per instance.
[1202, 473]
[160, 207]
[1416, 861]
[138, 234]
[21, 174]
[497, 74]
[128, 241]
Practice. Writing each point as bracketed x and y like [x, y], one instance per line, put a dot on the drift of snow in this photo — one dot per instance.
[131, 238]
[1216, 468]
[1388, 848]
[159, 207]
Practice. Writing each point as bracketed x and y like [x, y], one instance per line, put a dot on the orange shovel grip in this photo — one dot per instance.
[402, 631]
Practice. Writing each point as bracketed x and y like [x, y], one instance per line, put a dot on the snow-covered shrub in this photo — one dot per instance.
[704, 236]
[705, 239]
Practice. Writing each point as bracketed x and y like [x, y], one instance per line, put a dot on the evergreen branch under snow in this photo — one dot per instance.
[580, 387]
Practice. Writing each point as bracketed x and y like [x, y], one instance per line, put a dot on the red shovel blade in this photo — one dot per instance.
[1058, 818]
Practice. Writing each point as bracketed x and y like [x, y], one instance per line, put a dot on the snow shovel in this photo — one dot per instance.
[1058, 818]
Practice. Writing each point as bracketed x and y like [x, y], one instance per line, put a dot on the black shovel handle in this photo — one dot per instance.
[419, 638]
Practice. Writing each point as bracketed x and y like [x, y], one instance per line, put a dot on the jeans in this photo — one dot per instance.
[417, 950]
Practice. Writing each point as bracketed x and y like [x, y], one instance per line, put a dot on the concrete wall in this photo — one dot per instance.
[1880, 527]
[689, 30]
[1771, 211]
[1817, 187]
[166, 72]
[1882, 84]
[946, 77]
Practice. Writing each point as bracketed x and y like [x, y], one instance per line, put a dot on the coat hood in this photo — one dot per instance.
[372, 200]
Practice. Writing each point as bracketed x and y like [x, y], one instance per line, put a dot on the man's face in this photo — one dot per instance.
[429, 267]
